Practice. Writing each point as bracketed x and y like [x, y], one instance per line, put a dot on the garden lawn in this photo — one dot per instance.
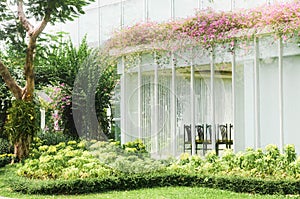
[160, 193]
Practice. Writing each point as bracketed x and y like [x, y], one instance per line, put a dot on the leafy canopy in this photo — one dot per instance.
[11, 28]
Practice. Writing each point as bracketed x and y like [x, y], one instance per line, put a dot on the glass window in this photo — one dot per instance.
[110, 20]
[244, 97]
[133, 12]
[269, 103]
[89, 27]
[247, 3]
[72, 28]
[132, 128]
[159, 10]
[91, 5]
[291, 93]
[184, 8]
[223, 5]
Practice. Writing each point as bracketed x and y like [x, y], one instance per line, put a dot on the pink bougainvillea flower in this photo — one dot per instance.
[208, 26]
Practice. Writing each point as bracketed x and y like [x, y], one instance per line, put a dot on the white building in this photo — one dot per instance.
[255, 93]
[105, 16]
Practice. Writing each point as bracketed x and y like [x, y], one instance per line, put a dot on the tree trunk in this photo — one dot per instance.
[21, 148]
[29, 71]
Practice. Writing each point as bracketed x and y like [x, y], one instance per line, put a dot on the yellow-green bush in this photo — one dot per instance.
[63, 161]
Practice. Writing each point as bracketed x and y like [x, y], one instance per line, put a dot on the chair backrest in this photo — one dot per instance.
[200, 131]
[223, 131]
[187, 133]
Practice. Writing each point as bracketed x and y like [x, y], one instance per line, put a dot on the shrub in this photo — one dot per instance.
[5, 146]
[161, 179]
[51, 138]
[261, 164]
[130, 158]
[6, 159]
[76, 171]
[136, 146]
[63, 161]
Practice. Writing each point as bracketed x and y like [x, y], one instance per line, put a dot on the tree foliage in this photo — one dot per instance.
[17, 29]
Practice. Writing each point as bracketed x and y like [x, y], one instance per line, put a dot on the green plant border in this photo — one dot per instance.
[151, 180]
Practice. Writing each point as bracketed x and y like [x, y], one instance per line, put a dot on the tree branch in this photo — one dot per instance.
[26, 24]
[10, 82]
[42, 25]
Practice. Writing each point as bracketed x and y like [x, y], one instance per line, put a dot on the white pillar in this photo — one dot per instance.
[146, 10]
[108, 114]
[122, 15]
[123, 101]
[232, 7]
[156, 127]
[280, 93]
[172, 9]
[212, 99]
[99, 24]
[192, 101]
[256, 94]
[139, 98]
[173, 107]
[43, 118]
[233, 66]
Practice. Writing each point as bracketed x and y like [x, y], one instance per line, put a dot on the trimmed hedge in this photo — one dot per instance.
[137, 181]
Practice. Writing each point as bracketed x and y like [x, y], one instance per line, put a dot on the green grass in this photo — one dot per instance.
[153, 193]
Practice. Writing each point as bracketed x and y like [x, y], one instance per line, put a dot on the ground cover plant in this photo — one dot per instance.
[72, 169]
[266, 163]
[161, 192]
[63, 161]
[130, 158]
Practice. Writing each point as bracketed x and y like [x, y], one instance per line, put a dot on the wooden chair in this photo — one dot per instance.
[188, 137]
[224, 136]
[204, 134]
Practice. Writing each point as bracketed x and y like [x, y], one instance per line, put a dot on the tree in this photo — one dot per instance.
[16, 27]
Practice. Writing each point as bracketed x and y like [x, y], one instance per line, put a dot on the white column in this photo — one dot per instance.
[123, 102]
[108, 115]
[200, 4]
[212, 99]
[43, 119]
[156, 127]
[256, 95]
[146, 10]
[233, 71]
[172, 10]
[99, 24]
[173, 107]
[122, 15]
[280, 93]
[139, 98]
[78, 31]
[232, 5]
[192, 101]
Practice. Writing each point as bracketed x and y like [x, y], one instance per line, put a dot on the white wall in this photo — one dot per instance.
[269, 103]
[291, 89]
